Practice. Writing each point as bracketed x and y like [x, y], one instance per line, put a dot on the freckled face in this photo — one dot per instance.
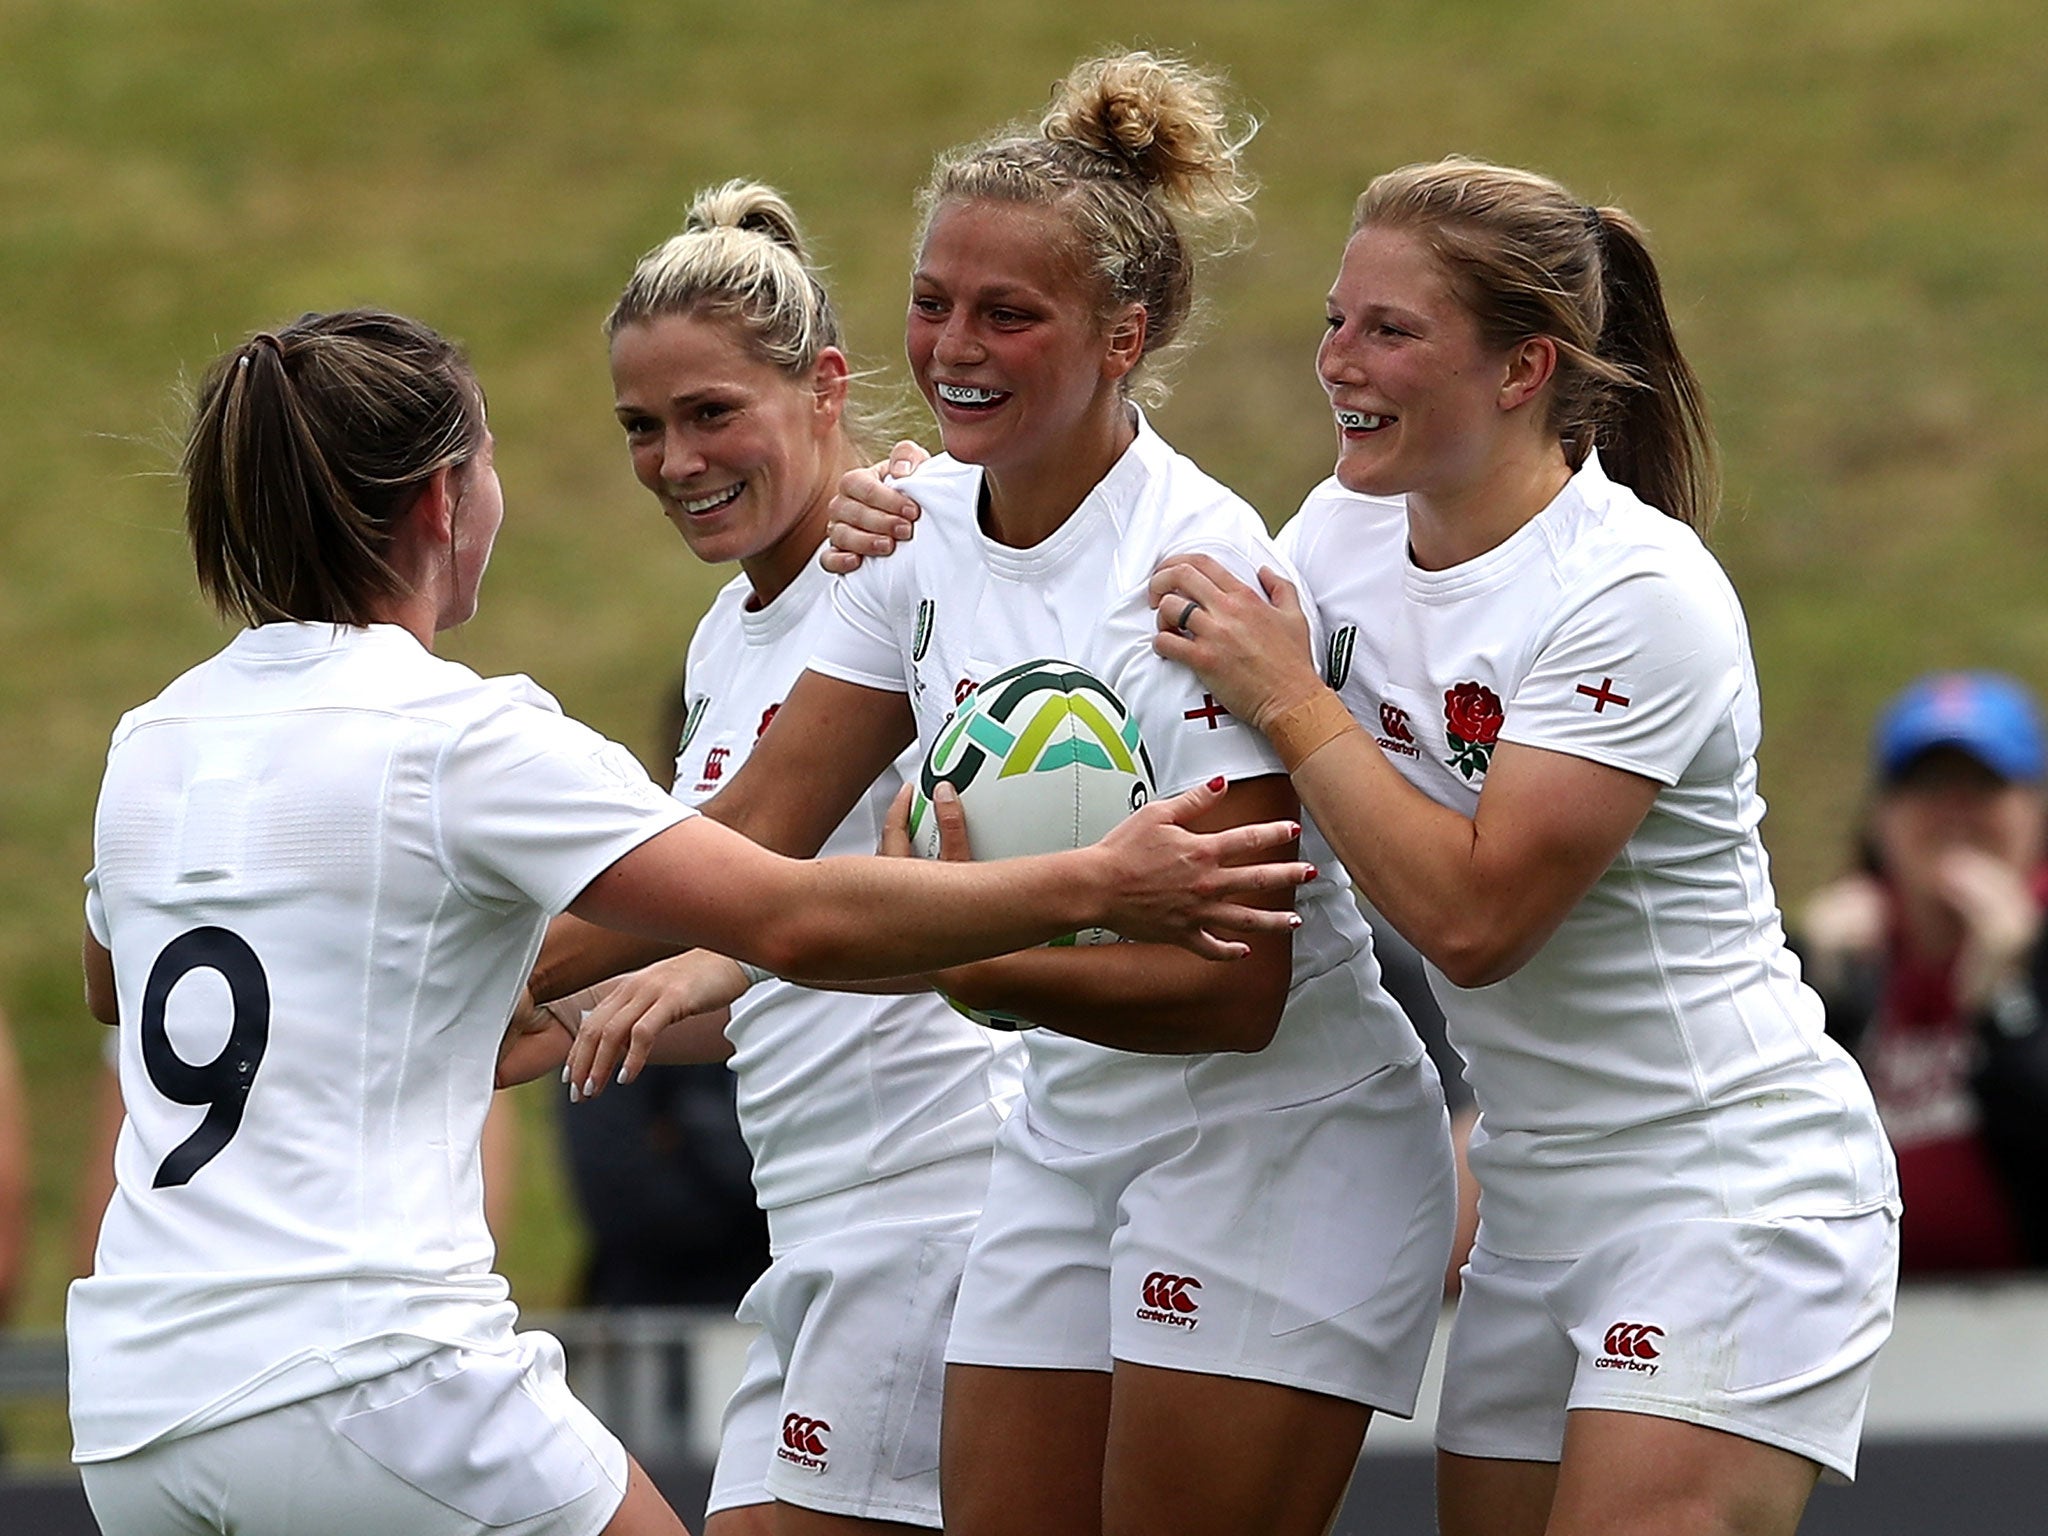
[1415, 390]
[1002, 339]
[735, 450]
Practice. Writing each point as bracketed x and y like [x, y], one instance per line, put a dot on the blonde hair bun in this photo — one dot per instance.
[750, 206]
[1162, 121]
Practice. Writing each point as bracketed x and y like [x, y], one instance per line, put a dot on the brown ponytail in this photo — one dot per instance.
[308, 444]
[1653, 436]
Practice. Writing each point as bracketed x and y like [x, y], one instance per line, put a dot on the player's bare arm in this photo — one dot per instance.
[1152, 997]
[1478, 896]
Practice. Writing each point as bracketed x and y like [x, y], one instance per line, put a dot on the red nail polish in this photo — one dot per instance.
[1311, 873]
[1217, 782]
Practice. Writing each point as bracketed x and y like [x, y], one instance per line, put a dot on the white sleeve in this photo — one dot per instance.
[532, 806]
[856, 641]
[1635, 676]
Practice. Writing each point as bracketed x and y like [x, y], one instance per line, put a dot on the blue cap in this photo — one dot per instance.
[1987, 715]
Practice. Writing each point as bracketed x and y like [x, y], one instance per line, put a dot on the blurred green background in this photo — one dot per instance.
[1847, 199]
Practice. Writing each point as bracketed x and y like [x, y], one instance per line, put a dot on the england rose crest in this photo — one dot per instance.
[1472, 715]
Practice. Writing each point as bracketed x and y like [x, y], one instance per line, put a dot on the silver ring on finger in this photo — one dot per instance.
[1187, 613]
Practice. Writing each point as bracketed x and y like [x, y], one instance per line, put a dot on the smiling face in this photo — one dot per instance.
[742, 457]
[1005, 343]
[1417, 393]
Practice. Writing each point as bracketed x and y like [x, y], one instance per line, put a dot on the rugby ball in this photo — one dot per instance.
[1044, 757]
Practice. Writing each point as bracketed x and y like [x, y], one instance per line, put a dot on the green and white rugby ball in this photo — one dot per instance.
[1045, 757]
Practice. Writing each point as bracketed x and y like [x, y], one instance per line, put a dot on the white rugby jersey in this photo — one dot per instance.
[953, 608]
[323, 861]
[1659, 1056]
[836, 1089]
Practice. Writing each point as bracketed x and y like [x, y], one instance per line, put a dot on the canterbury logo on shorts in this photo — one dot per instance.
[1170, 1299]
[803, 1442]
[1629, 1347]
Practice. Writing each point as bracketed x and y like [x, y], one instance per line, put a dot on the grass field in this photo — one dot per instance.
[1846, 198]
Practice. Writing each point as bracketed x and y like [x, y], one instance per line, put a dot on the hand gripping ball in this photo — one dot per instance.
[1045, 757]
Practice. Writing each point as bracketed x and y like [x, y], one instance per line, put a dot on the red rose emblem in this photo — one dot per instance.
[1472, 712]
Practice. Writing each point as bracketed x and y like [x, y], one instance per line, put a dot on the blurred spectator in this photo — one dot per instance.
[1932, 962]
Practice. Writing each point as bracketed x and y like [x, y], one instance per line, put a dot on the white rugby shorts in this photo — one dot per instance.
[838, 1407]
[456, 1440]
[1302, 1244]
[1764, 1329]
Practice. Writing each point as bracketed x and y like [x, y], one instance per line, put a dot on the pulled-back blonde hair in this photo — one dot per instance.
[1140, 155]
[1529, 259]
[740, 259]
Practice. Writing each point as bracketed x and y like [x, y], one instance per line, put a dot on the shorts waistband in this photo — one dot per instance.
[954, 1187]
